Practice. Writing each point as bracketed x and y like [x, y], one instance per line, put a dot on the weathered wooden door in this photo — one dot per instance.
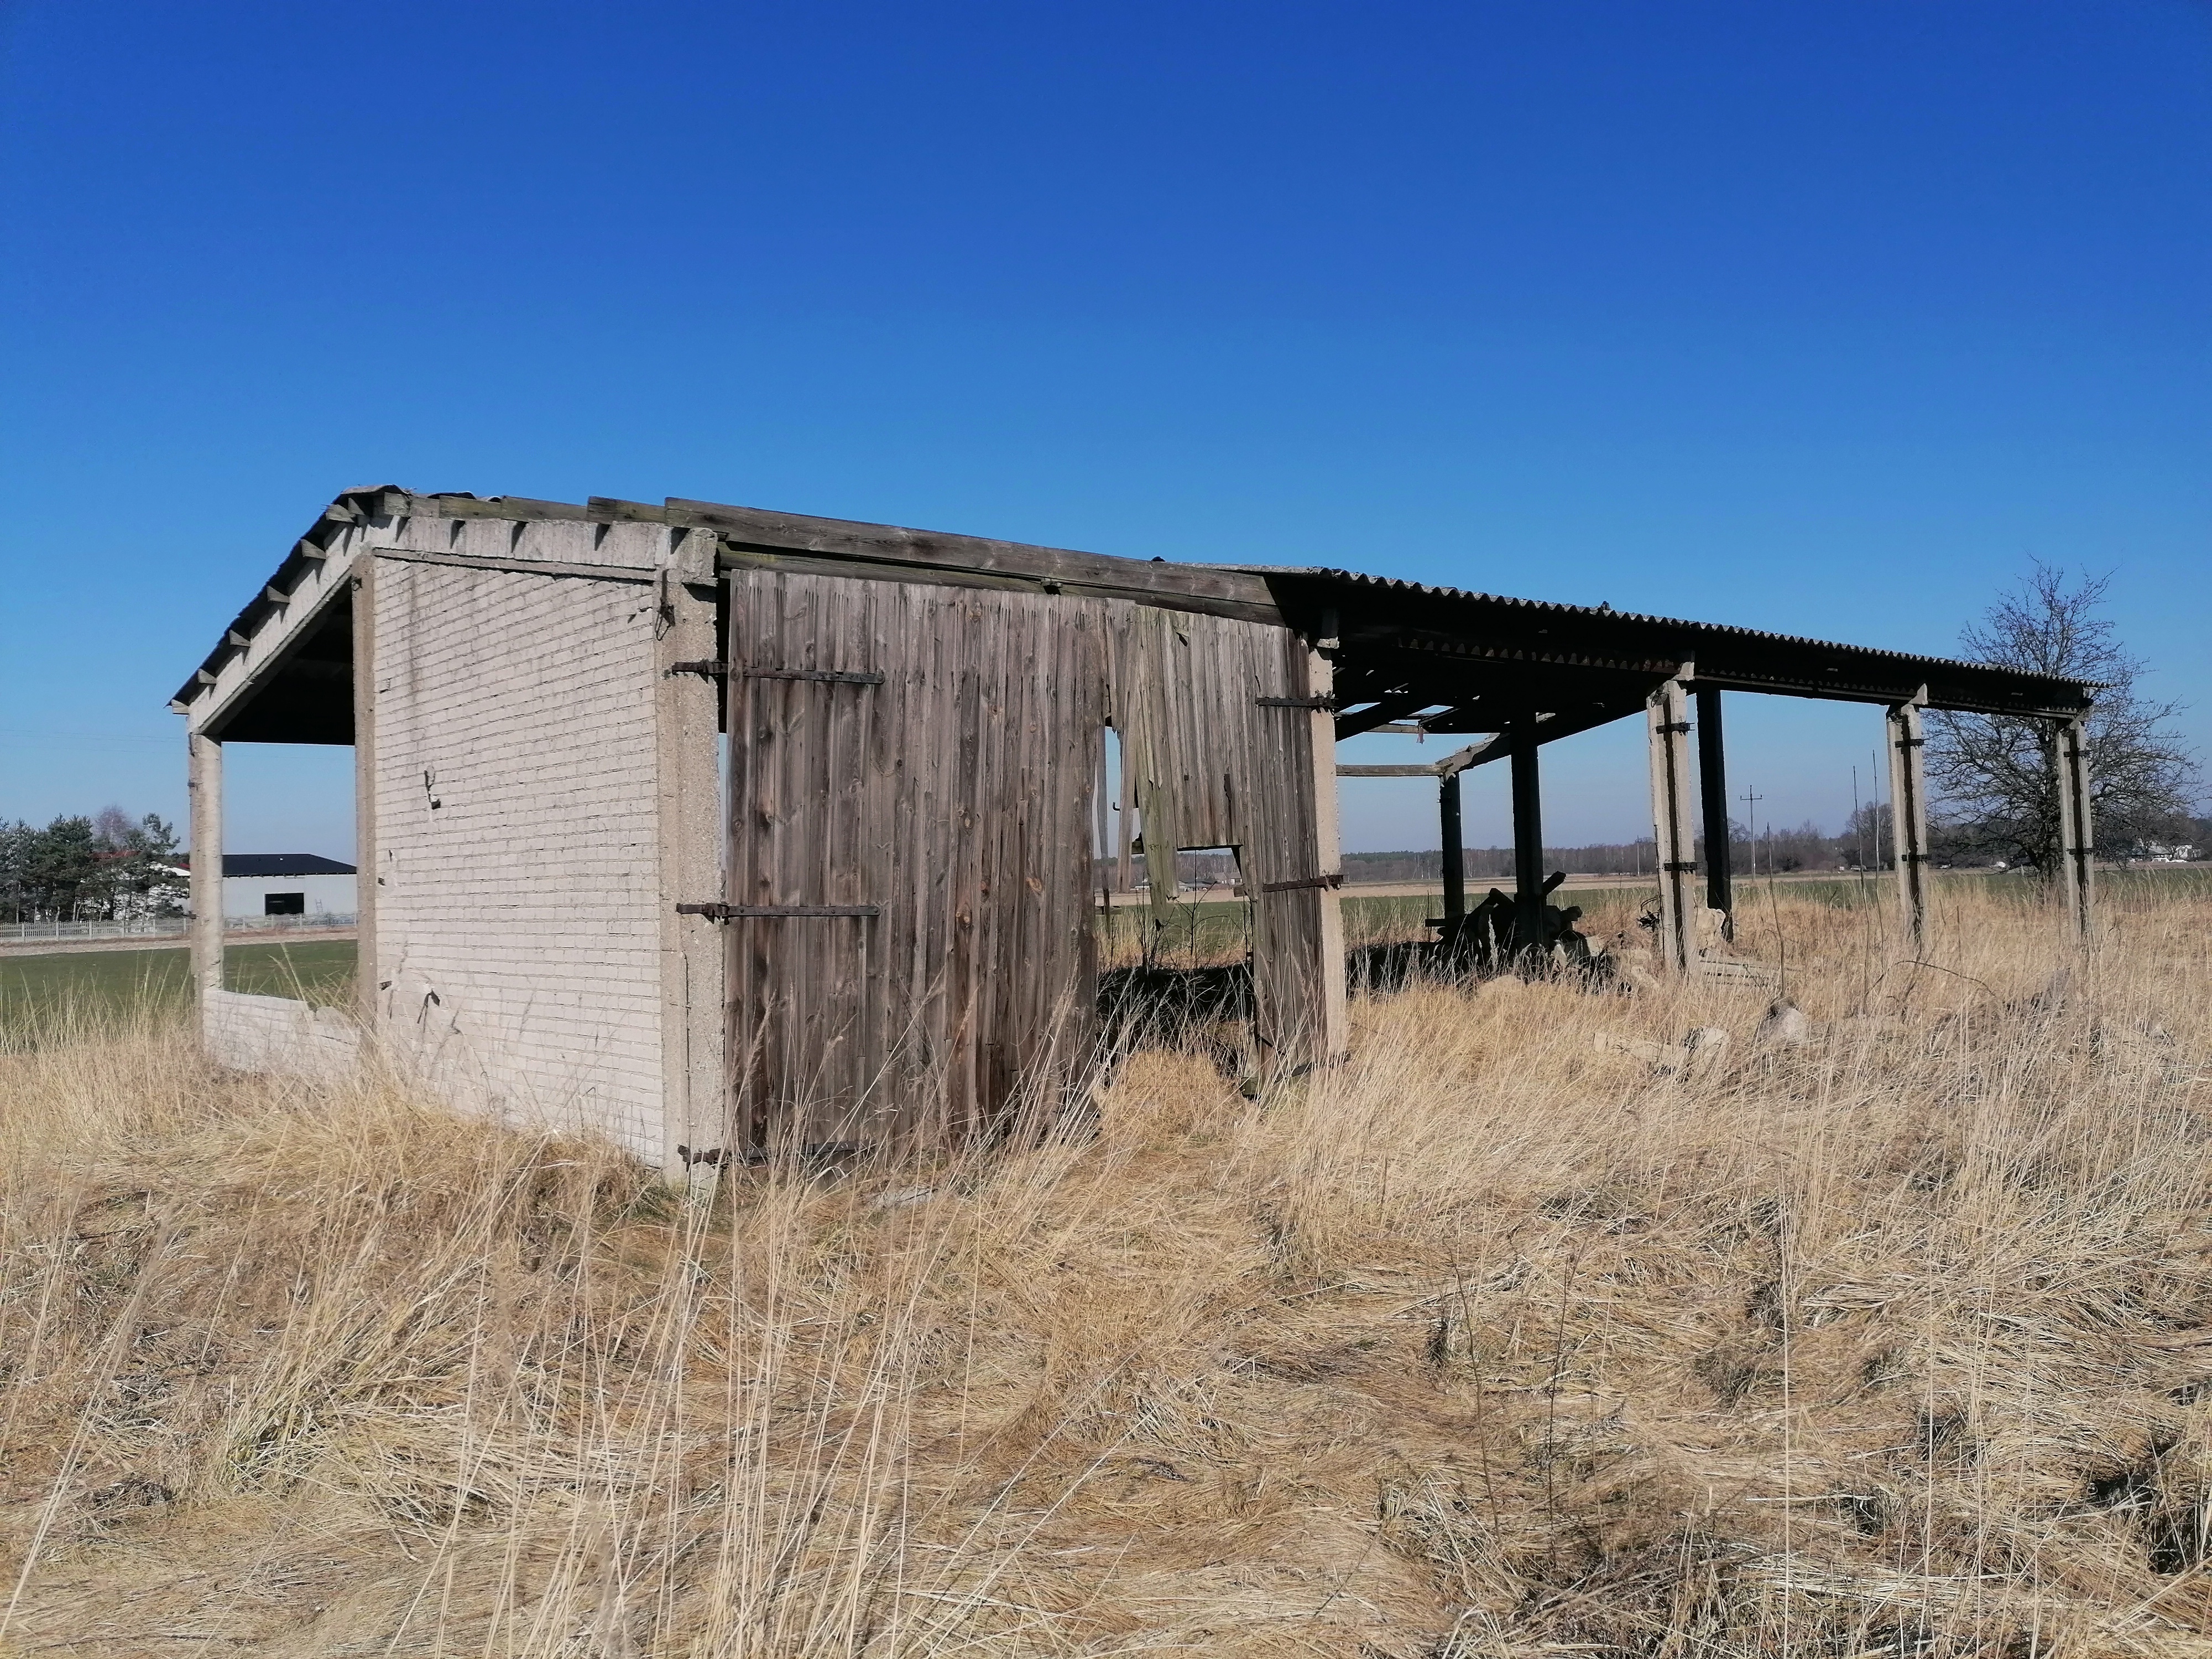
[1229, 741]
[907, 899]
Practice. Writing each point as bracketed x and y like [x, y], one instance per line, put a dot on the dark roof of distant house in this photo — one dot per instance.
[282, 863]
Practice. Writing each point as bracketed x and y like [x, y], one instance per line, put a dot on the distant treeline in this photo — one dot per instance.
[105, 867]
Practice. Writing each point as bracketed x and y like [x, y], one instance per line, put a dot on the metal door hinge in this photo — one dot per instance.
[1336, 880]
[717, 669]
[734, 912]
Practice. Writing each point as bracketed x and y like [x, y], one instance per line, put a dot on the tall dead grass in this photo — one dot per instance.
[1495, 1341]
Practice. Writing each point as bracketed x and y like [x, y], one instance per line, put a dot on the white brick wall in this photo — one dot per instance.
[276, 1034]
[518, 903]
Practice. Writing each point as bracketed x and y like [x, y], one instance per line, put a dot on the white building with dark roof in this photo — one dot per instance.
[256, 884]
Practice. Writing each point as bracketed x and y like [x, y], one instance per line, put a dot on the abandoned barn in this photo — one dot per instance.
[711, 829]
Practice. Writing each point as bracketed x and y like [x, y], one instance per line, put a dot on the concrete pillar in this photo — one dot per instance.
[204, 782]
[1712, 795]
[694, 1110]
[1454, 841]
[370, 876]
[1667, 713]
[2077, 848]
[1335, 1038]
[1908, 799]
[1528, 835]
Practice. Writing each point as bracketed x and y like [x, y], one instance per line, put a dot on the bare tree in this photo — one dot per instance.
[1992, 774]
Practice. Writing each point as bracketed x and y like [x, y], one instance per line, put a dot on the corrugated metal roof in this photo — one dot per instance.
[1555, 608]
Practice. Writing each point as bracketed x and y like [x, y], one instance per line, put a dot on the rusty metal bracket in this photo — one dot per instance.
[717, 669]
[1336, 880]
[735, 912]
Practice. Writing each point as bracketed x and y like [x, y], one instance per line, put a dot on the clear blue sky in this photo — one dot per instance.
[1816, 317]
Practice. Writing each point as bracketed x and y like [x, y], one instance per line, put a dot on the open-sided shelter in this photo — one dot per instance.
[713, 828]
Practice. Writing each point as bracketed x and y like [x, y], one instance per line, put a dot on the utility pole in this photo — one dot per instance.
[1874, 783]
[1751, 800]
[1859, 828]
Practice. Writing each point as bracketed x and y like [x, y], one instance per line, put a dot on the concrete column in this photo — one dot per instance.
[204, 782]
[1908, 798]
[1667, 713]
[695, 1111]
[2077, 849]
[1712, 795]
[1528, 835]
[370, 876]
[1454, 840]
[1335, 1038]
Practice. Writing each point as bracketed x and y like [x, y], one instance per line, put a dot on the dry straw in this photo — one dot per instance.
[1501, 1339]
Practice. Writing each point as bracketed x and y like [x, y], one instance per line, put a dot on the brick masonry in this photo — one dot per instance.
[276, 1034]
[517, 879]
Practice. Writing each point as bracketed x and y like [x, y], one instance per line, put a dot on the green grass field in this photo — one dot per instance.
[41, 991]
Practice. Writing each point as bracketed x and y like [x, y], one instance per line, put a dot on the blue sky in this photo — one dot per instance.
[1817, 317]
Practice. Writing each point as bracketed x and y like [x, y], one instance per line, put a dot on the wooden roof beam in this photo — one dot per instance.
[1391, 707]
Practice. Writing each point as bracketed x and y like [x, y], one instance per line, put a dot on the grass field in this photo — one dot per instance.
[43, 992]
[1527, 1332]
[1205, 930]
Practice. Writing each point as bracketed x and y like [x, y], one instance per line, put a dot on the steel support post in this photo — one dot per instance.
[2077, 848]
[204, 783]
[1528, 836]
[1455, 860]
[1908, 802]
[1712, 795]
[1667, 711]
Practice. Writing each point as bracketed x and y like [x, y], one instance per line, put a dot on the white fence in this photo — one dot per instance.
[15, 932]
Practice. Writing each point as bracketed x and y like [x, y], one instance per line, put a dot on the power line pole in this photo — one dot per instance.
[1751, 800]
[1858, 828]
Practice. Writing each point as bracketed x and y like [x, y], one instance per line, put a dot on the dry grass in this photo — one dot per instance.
[1492, 1342]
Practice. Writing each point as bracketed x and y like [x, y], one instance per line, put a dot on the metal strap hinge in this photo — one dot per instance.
[1296, 702]
[717, 669]
[735, 912]
[1336, 880]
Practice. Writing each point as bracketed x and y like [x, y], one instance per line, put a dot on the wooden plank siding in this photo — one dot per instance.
[1222, 754]
[955, 797]
[959, 799]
